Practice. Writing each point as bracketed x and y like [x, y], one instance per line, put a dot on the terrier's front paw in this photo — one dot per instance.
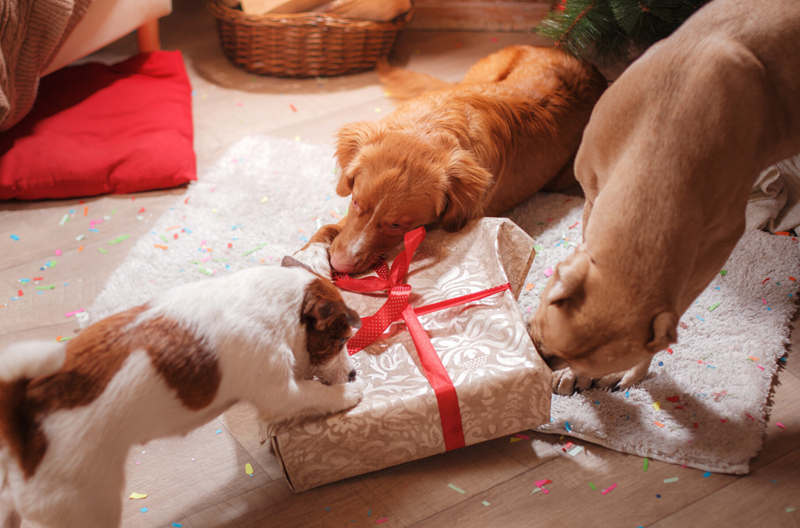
[353, 392]
[315, 256]
[565, 382]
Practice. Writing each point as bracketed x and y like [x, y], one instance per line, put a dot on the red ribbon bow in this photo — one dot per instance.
[397, 307]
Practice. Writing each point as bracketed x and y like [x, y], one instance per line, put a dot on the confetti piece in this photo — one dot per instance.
[723, 272]
[160, 246]
[790, 510]
[513, 439]
[657, 406]
[143, 510]
[485, 503]
[759, 366]
[218, 431]
[86, 211]
[64, 219]
[566, 424]
[135, 495]
[70, 314]
[670, 480]
[706, 474]
[14, 237]
[779, 424]
[171, 228]
[792, 279]
[659, 424]
[293, 108]
[80, 248]
[456, 488]
[539, 489]
[609, 489]
[141, 210]
[528, 287]
[548, 272]
[248, 469]
[592, 486]
[369, 513]
[101, 250]
[669, 350]
[540, 483]
[254, 249]
[119, 239]
[176, 525]
[522, 436]
[575, 450]
[51, 287]
[380, 521]
[80, 237]
[713, 306]
[646, 464]
[673, 399]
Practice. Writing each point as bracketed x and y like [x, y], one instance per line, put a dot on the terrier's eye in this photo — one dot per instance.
[342, 341]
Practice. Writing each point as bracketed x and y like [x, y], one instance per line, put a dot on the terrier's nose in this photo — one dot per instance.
[352, 376]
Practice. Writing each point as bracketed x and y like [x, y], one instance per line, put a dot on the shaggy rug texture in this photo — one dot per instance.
[704, 402]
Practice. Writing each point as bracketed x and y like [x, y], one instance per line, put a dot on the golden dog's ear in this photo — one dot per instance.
[350, 139]
[570, 277]
[467, 185]
[665, 330]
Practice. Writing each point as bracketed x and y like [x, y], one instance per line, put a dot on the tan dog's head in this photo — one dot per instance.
[328, 323]
[594, 321]
[400, 180]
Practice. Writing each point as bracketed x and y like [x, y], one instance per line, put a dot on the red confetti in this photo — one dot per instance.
[723, 420]
[673, 398]
[695, 425]
[765, 280]
[230, 245]
[573, 225]
[293, 108]
[669, 350]
[186, 201]
[679, 406]
[175, 236]
[19, 293]
[38, 278]
[792, 279]
[141, 210]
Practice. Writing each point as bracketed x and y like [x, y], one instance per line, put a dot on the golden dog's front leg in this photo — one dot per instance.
[624, 380]
[565, 382]
[316, 254]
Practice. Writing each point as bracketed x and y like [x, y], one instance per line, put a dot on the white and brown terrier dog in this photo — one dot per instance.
[69, 412]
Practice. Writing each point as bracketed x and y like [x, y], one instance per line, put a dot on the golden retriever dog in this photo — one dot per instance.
[463, 151]
[667, 162]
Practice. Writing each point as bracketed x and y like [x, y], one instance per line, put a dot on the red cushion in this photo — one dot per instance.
[97, 129]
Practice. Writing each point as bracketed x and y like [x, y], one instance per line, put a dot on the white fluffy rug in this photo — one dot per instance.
[267, 196]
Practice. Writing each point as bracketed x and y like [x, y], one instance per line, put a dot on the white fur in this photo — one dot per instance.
[31, 359]
[252, 321]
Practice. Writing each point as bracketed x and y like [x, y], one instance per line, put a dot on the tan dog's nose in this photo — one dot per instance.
[342, 267]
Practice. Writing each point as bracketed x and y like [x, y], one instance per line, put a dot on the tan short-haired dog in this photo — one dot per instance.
[461, 151]
[667, 162]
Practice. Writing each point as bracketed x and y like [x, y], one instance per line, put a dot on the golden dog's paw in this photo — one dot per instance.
[623, 380]
[565, 382]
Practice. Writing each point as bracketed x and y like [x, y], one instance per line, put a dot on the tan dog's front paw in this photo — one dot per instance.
[565, 382]
[315, 256]
[624, 380]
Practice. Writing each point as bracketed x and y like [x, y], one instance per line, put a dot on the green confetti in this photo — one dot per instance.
[711, 309]
[723, 272]
[164, 239]
[203, 270]
[670, 480]
[456, 488]
[254, 249]
[538, 248]
[119, 239]
[101, 250]
[45, 287]
[64, 219]
[485, 503]
[646, 464]
[592, 486]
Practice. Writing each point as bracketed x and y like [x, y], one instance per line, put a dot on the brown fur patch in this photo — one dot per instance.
[93, 358]
[327, 320]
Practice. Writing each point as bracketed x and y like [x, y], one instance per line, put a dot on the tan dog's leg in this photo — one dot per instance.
[624, 380]
[316, 254]
[565, 382]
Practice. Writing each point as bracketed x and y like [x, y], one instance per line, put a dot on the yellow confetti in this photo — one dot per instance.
[264, 200]
[377, 110]
[248, 469]
[657, 406]
[135, 495]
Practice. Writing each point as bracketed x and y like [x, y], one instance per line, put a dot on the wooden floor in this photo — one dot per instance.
[200, 480]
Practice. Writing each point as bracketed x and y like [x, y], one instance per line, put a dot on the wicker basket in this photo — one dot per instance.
[305, 44]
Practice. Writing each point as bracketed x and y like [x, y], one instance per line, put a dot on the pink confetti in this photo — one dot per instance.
[609, 489]
[138, 462]
[525, 437]
[540, 483]
[58, 252]
[780, 425]
[750, 417]
[759, 366]
[70, 314]
[548, 272]
[763, 299]
[380, 521]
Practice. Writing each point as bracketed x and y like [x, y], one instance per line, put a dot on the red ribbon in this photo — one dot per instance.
[396, 307]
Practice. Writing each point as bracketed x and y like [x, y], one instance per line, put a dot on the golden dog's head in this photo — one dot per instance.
[593, 320]
[400, 180]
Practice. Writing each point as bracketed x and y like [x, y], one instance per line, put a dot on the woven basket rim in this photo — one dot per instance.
[223, 12]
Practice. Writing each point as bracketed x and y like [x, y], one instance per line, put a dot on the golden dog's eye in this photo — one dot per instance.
[395, 226]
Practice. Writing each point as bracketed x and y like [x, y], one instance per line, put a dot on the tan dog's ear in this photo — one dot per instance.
[467, 185]
[350, 139]
[570, 277]
[665, 330]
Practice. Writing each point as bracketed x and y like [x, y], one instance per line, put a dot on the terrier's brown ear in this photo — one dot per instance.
[665, 330]
[323, 305]
[350, 139]
[467, 185]
[569, 278]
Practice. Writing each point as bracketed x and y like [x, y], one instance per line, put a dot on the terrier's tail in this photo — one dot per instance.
[31, 359]
[405, 84]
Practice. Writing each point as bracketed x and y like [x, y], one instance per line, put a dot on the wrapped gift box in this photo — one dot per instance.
[501, 384]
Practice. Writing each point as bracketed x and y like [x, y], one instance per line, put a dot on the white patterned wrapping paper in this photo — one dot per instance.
[503, 386]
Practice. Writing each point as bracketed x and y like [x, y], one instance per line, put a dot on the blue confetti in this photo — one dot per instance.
[187, 231]
[94, 230]
[303, 238]
[369, 513]
[566, 424]
[143, 510]
[706, 474]
[14, 237]
[176, 525]
[234, 227]
[218, 431]
[660, 363]
[327, 509]
[24, 280]
[72, 211]
[700, 318]
[658, 496]
[627, 394]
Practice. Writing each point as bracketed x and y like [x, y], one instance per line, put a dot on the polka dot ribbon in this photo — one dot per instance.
[397, 307]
